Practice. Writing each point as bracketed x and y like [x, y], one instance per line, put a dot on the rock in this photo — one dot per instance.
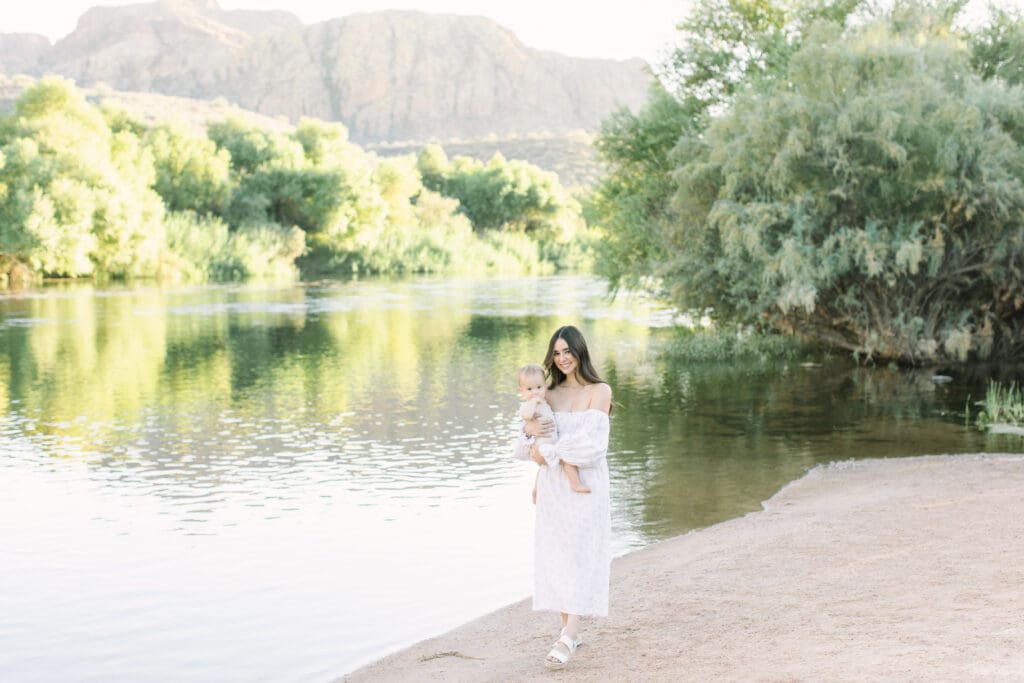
[388, 76]
[21, 53]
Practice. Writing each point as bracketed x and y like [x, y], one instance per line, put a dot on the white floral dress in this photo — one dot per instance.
[572, 550]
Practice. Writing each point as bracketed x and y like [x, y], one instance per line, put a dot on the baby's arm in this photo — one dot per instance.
[529, 409]
[543, 413]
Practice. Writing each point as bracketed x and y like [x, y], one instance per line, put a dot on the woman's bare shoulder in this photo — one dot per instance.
[601, 397]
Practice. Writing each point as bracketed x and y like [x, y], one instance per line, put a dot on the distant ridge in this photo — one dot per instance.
[571, 156]
[153, 108]
[389, 76]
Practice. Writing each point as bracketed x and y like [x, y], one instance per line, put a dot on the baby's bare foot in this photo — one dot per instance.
[580, 488]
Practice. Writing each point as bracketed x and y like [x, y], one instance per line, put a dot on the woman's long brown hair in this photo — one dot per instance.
[578, 348]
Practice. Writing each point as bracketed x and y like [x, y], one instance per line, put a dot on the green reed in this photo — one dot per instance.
[1003, 404]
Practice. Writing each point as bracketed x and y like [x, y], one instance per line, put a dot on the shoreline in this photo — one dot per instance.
[905, 568]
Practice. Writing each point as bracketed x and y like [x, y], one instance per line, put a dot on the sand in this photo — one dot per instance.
[904, 569]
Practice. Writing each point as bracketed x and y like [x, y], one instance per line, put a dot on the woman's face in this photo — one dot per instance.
[564, 360]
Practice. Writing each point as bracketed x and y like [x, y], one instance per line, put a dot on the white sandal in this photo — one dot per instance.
[561, 657]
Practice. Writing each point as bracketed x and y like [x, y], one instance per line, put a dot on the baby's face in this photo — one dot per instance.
[532, 386]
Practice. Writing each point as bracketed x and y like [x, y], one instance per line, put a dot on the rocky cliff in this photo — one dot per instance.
[388, 76]
[21, 52]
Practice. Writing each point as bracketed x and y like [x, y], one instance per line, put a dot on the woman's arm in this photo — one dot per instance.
[523, 447]
[587, 446]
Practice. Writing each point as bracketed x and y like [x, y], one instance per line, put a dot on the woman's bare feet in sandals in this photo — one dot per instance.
[561, 652]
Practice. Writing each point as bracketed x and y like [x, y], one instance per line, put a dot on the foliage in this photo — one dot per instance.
[719, 346]
[504, 195]
[748, 42]
[75, 196]
[87, 190]
[570, 155]
[201, 248]
[196, 246]
[727, 47]
[191, 173]
[326, 145]
[120, 120]
[1003, 404]
[997, 47]
[857, 186]
[874, 204]
[632, 207]
[252, 149]
[315, 200]
[434, 167]
[511, 252]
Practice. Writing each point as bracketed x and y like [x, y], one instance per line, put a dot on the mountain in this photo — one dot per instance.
[571, 156]
[21, 52]
[390, 76]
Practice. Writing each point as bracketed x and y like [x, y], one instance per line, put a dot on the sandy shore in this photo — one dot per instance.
[908, 569]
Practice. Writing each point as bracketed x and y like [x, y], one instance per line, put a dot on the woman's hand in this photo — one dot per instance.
[537, 457]
[540, 428]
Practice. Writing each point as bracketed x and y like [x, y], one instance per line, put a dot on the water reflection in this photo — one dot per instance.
[327, 463]
[206, 381]
[696, 445]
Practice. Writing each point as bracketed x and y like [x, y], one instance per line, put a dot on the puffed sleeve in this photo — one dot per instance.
[521, 443]
[586, 446]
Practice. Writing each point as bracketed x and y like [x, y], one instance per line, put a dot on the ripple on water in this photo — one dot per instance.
[283, 480]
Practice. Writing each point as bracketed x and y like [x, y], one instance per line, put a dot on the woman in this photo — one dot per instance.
[572, 554]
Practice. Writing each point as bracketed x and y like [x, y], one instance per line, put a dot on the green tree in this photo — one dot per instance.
[191, 172]
[510, 196]
[997, 49]
[201, 248]
[874, 202]
[128, 221]
[853, 182]
[75, 196]
[725, 48]
[253, 149]
[632, 206]
[327, 202]
[729, 46]
[433, 166]
[45, 220]
[399, 183]
[326, 145]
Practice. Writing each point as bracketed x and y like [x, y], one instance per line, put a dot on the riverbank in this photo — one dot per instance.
[893, 569]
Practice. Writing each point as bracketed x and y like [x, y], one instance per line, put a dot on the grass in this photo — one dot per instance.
[1003, 405]
[716, 346]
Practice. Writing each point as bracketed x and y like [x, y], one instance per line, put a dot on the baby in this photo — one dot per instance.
[535, 409]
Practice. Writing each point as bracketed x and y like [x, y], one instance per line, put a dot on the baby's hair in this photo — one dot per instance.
[529, 369]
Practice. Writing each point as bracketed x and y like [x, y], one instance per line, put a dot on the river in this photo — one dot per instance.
[282, 483]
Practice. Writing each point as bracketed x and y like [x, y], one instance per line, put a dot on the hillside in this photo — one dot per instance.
[389, 76]
[571, 156]
[152, 108]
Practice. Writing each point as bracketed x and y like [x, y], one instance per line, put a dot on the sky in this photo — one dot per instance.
[579, 28]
